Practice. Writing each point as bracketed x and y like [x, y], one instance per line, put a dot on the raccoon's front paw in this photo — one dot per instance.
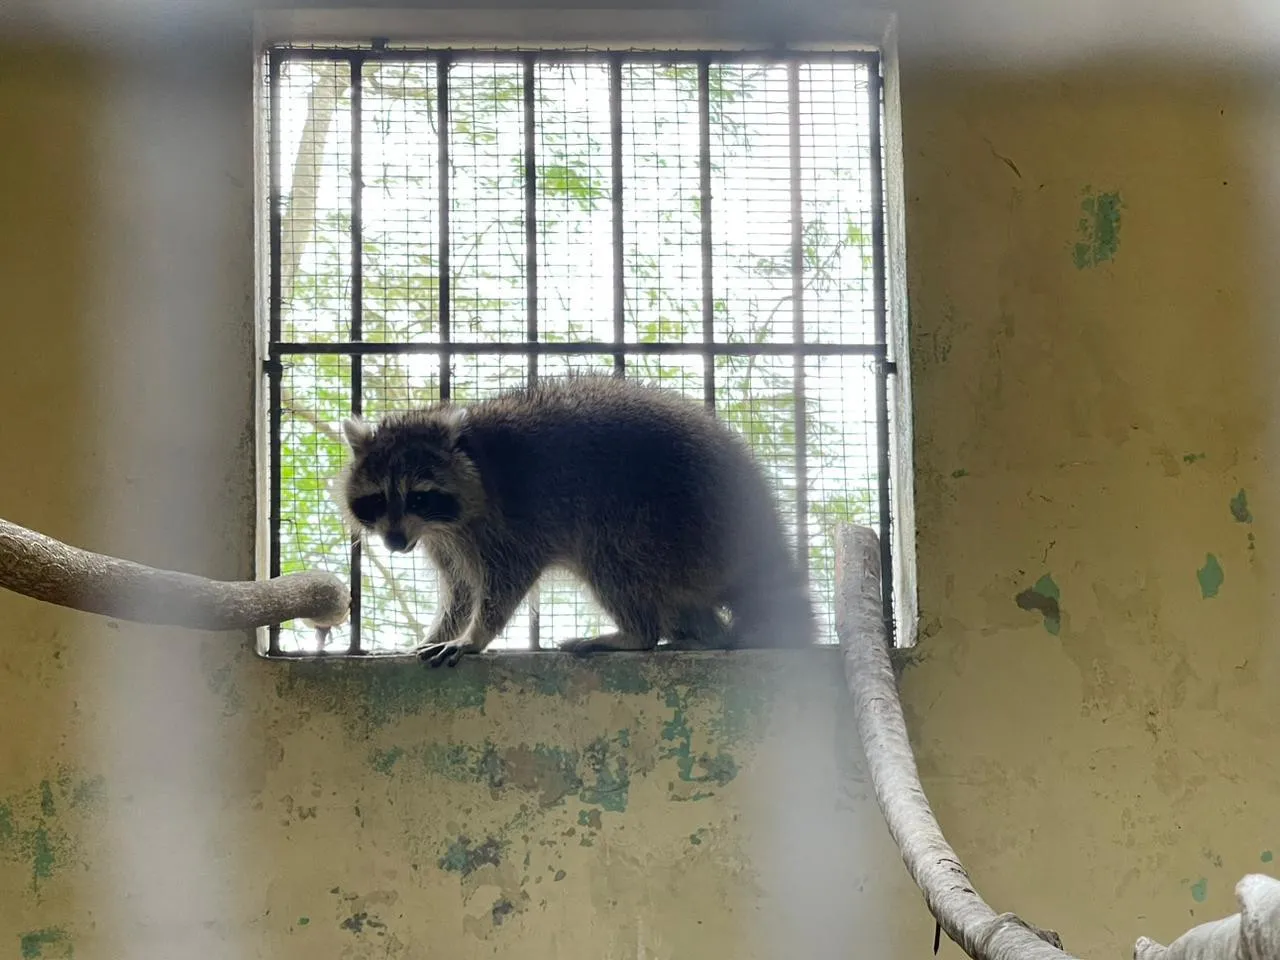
[442, 654]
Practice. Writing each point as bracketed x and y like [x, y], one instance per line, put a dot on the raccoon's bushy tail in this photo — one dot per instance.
[773, 608]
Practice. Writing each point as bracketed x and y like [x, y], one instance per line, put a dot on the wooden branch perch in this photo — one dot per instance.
[960, 911]
[47, 569]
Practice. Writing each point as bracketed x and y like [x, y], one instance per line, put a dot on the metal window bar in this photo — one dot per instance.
[797, 316]
[357, 315]
[619, 264]
[443, 63]
[445, 346]
[704, 211]
[531, 278]
[275, 370]
[875, 101]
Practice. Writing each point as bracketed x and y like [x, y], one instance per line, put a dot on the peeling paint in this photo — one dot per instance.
[359, 920]
[461, 857]
[1200, 890]
[385, 760]
[1210, 577]
[1240, 508]
[1192, 457]
[1098, 228]
[612, 777]
[1266, 856]
[502, 908]
[718, 769]
[1043, 596]
[550, 772]
[376, 694]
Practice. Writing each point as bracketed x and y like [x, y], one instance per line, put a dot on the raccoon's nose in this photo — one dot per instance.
[396, 541]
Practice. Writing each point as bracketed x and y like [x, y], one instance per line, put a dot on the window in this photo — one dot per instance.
[447, 223]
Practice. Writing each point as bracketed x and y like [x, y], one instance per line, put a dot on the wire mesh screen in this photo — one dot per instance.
[451, 224]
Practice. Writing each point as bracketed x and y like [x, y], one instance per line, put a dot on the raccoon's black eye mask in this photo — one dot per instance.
[433, 506]
[369, 508]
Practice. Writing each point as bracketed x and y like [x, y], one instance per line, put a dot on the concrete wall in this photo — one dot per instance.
[1091, 286]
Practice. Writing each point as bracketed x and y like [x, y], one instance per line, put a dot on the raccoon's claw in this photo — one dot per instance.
[442, 654]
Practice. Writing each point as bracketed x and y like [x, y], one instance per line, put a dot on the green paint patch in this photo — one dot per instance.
[1098, 229]
[1240, 508]
[384, 761]
[611, 774]
[695, 838]
[1266, 856]
[43, 857]
[304, 921]
[1192, 457]
[718, 769]
[377, 694]
[34, 944]
[1210, 577]
[38, 826]
[461, 857]
[589, 818]
[598, 775]
[1044, 597]
[957, 474]
[1200, 890]
[623, 674]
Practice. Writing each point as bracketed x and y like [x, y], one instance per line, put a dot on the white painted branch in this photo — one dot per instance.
[1252, 934]
[965, 916]
[47, 569]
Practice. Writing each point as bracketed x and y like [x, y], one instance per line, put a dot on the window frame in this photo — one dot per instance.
[852, 31]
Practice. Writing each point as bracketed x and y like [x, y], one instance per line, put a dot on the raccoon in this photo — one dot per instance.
[657, 506]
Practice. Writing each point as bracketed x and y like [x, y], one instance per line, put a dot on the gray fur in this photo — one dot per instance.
[653, 503]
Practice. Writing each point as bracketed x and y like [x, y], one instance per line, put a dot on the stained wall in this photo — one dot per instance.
[1090, 251]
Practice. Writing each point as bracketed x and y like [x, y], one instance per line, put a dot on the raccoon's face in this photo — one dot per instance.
[408, 479]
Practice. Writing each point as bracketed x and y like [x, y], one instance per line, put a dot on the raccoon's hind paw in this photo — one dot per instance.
[582, 646]
[605, 643]
[442, 654]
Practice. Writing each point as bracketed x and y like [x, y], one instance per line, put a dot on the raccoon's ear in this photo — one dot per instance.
[460, 431]
[358, 433]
